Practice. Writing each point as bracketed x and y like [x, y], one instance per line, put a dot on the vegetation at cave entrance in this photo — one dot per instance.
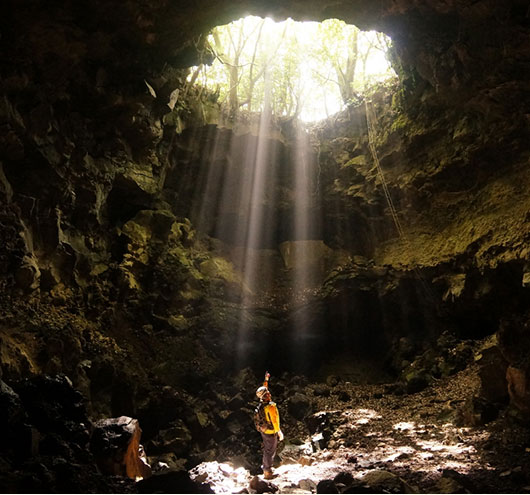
[307, 70]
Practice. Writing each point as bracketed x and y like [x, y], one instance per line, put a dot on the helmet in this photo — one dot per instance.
[260, 393]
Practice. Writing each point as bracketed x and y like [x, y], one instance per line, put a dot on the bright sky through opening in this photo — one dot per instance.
[306, 69]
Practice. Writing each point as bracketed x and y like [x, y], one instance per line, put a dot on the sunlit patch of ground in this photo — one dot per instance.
[412, 436]
[363, 439]
[427, 450]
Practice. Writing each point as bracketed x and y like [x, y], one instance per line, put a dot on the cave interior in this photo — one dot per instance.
[157, 256]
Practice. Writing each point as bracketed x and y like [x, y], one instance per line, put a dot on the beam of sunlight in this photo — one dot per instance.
[256, 224]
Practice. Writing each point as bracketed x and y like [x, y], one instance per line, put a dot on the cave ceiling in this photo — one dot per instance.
[143, 36]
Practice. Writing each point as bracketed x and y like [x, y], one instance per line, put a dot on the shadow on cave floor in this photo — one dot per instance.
[366, 440]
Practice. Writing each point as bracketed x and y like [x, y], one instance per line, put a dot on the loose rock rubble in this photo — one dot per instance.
[380, 442]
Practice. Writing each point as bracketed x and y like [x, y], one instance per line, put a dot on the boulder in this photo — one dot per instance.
[343, 396]
[17, 437]
[492, 373]
[318, 422]
[476, 411]
[344, 478]
[449, 485]
[416, 380]
[518, 388]
[308, 485]
[236, 403]
[27, 275]
[261, 486]
[327, 486]
[172, 482]
[321, 390]
[53, 405]
[11, 410]
[299, 406]
[296, 254]
[386, 482]
[175, 439]
[167, 462]
[332, 380]
[116, 447]
[452, 481]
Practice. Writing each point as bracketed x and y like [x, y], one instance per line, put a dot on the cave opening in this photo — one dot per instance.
[303, 70]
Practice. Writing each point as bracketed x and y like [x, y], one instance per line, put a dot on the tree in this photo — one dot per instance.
[296, 68]
[338, 48]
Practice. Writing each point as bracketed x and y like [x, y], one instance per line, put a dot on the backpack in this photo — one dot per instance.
[260, 421]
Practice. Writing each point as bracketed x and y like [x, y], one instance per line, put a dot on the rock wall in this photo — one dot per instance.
[102, 275]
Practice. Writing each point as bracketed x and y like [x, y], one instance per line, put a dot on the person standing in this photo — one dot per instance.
[268, 424]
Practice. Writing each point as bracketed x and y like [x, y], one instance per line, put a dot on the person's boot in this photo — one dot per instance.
[268, 475]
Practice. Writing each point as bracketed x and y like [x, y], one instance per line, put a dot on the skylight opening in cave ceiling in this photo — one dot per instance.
[308, 70]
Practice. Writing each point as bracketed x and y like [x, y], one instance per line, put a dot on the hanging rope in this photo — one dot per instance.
[371, 144]
[370, 118]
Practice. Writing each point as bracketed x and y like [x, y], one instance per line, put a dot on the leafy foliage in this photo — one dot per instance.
[307, 70]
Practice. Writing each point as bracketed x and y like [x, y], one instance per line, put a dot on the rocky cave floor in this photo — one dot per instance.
[370, 441]
[344, 437]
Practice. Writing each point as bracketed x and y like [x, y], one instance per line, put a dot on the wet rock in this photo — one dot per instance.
[116, 446]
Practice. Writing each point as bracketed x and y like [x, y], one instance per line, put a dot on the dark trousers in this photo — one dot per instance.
[270, 443]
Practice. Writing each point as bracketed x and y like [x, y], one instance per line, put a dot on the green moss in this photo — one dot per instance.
[401, 122]
[358, 161]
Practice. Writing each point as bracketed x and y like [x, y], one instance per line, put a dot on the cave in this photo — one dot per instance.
[145, 287]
